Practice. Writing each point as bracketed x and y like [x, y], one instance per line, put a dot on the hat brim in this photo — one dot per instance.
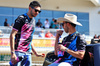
[61, 19]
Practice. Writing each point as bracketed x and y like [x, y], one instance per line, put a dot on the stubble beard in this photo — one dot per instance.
[67, 30]
[31, 13]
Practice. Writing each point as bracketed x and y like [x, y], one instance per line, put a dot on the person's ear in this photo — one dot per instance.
[68, 24]
[29, 8]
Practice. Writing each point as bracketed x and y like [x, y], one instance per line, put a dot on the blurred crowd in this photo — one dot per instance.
[7, 24]
[95, 39]
[48, 24]
[53, 24]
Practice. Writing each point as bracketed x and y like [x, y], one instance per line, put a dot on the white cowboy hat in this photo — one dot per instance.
[71, 18]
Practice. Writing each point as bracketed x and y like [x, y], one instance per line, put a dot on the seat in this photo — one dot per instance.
[50, 58]
[88, 59]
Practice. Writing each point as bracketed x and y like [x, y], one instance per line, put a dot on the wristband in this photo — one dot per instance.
[12, 52]
[67, 49]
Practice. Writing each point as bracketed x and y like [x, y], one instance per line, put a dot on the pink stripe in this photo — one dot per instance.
[21, 51]
[24, 27]
[60, 52]
[65, 46]
[57, 60]
[81, 50]
[21, 46]
[25, 49]
[25, 35]
[15, 29]
[30, 28]
[18, 59]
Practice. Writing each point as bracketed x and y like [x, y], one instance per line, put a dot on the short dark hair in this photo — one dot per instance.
[46, 19]
[74, 25]
[34, 4]
[55, 21]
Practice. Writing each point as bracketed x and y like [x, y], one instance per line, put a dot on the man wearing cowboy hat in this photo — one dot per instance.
[73, 46]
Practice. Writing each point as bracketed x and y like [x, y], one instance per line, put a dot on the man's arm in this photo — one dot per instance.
[77, 54]
[12, 42]
[56, 43]
[34, 51]
[58, 34]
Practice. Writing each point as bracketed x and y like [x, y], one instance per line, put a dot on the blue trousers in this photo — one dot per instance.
[24, 62]
[60, 64]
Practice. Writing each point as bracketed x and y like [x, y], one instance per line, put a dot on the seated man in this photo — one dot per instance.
[72, 48]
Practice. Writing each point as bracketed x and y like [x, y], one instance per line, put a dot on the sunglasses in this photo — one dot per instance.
[36, 10]
[64, 23]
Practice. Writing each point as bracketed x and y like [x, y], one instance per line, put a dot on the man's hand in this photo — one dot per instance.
[77, 54]
[61, 47]
[40, 55]
[59, 33]
[13, 59]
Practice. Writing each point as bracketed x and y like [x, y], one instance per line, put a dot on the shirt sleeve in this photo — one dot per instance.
[81, 43]
[18, 23]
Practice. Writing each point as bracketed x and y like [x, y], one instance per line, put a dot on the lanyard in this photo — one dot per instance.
[74, 33]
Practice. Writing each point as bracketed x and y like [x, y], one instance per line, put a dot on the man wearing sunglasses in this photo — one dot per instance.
[72, 48]
[22, 34]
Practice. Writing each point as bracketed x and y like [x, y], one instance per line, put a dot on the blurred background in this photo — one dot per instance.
[87, 11]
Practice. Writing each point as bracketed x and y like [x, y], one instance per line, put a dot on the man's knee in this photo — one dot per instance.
[64, 64]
